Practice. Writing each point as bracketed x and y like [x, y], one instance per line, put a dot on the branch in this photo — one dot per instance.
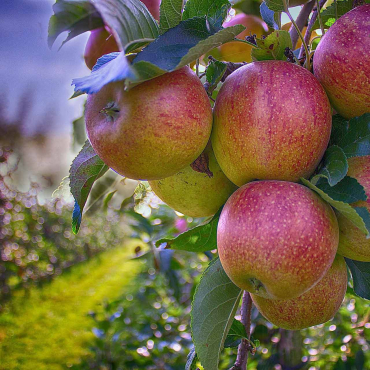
[301, 21]
[244, 346]
[307, 36]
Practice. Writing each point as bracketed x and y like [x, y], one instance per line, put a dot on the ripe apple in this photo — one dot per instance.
[316, 306]
[100, 42]
[276, 239]
[153, 7]
[153, 130]
[352, 241]
[236, 51]
[272, 121]
[342, 63]
[194, 193]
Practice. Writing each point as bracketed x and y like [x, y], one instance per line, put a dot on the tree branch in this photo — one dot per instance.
[301, 21]
[307, 36]
[244, 347]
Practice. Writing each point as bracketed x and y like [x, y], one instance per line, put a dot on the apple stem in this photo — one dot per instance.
[307, 36]
[197, 67]
[301, 21]
[244, 346]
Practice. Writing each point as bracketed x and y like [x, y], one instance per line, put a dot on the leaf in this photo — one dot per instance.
[215, 71]
[216, 9]
[328, 15]
[74, 16]
[215, 302]
[361, 218]
[272, 47]
[200, 239]
[129, 20]
[191, 360]
[354, 138]
[361, 277]
[86, 168]
[349, 190]
[335, 166]
[107, 199]
[268, 16]
[275, 5]
[339, 129]
[170, 14]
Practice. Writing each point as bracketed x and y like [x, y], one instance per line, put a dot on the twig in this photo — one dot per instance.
[307, 36]
[320, 20]
[244, 347]
[301, 21]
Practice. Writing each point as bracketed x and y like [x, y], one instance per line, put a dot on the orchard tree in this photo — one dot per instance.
[273, 148]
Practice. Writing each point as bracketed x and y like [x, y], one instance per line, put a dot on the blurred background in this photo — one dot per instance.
[107, 298]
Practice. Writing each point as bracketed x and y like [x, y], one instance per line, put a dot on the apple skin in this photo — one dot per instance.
[272, 121]
[276, 239]
[352, 241]
[153, 7]
[161, 125]
[99, 43]
[236, 51]
[194, 193]
[318, 305]
[342, 63]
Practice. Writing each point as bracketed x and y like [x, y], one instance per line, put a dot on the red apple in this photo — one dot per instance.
[276, 239]
[272, 121]
[153, 130]
[153, 7]
[316, 306]
[342, 63]
[352, 241]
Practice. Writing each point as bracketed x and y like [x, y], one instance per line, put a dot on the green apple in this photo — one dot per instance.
[342, 62]
[272, 121]
[352, 241]
[316, 306]
[276, 239]
[198, 190]
[153, 130]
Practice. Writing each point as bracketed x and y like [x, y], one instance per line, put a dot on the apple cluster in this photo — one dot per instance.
[270, 126]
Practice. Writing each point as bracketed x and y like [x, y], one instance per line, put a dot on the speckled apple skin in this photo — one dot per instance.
[162, 126]
[342, 63]
[352, 241]
[194, 193]
[276, 239]
[272, 121]
[316, 306]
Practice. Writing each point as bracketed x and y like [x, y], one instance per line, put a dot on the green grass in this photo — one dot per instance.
[50, 329]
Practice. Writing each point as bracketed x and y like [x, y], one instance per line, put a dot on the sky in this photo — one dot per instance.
[28, 66]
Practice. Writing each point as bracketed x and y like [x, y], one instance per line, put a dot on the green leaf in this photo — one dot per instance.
[215, 71]
[360, 219]
[273, 46]
[209, 8]
[129, 20]
[107, 199]
[339, 129]
[74, 16]
[86, 168]
[200, 239]
[328, 15]
[191, 361]
[353, 138]
[268, 16]
[361, 277]
[275, 5]
[349, 190]
[216, 300]
[335, 166]
[170, 14]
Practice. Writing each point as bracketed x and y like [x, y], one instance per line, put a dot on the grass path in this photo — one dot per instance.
[50, 328]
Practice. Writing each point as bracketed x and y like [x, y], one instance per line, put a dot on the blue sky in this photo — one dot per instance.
[27, 63]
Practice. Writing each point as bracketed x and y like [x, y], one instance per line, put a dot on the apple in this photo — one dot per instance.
[153, 130]
[342, 63]
[272, 121]
[276, 239]
[236, 51]
[316, 306]
[196, 192]
[99, 43]
[352, 241]
[153, 7]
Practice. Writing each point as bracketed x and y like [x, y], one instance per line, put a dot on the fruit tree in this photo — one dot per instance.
[269, 143]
